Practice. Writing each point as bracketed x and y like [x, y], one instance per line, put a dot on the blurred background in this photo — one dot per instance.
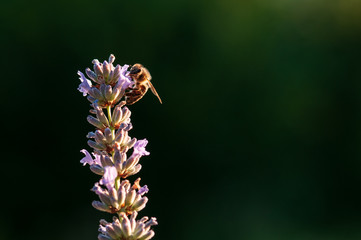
[258, 136]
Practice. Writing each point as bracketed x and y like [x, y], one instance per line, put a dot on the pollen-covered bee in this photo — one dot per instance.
[141, 78]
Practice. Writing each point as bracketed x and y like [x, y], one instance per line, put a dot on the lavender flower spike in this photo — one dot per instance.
[109, 158]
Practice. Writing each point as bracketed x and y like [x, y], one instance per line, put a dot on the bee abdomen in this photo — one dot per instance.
[133, 95]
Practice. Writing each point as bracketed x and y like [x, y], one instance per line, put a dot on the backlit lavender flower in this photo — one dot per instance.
[88, 158]
[110, 82]
[143, 190]
[139, 147]
[108, 180]
[125, 80]
[126, 199]
[127, 228]
[85, 84]
[110, 142]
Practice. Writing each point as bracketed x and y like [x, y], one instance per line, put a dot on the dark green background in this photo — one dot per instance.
[258, 136]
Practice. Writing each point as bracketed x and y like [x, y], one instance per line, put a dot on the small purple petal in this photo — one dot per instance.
[102, 229]
[85, 84]
[97, 189]
[97, 159]
[124, 77]
[110, 174]
[143, 190]
[87, 159]
[123, 83]
[139, 147]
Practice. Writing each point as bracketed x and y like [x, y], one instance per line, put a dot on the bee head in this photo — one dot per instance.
[136, 68]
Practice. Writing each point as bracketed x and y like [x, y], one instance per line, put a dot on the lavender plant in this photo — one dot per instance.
[109, 158]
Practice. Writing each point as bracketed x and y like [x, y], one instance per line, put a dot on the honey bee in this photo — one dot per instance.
[141, 78]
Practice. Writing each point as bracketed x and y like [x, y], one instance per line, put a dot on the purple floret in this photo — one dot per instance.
[139, 147]
[85, 84]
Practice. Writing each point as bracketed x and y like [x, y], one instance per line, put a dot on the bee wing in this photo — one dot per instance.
[153, 90]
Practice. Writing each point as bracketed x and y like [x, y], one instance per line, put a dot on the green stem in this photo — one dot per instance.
[117, 183]
[109, 110]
